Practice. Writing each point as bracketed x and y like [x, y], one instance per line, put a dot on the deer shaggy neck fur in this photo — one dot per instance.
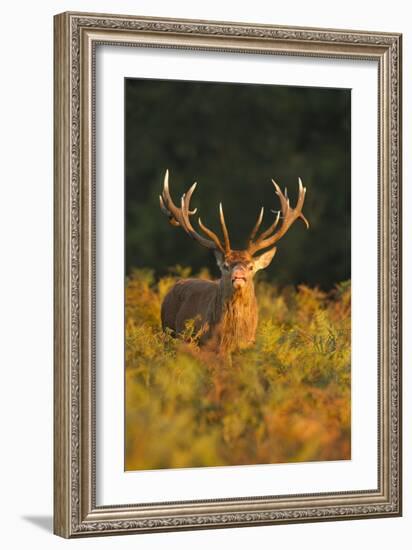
[233, 317]
[226, 318]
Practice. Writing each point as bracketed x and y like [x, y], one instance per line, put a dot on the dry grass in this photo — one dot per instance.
[285, 400]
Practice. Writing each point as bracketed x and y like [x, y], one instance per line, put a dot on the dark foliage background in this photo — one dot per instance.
[232, 139]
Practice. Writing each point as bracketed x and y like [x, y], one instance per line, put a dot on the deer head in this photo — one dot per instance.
[238, 267]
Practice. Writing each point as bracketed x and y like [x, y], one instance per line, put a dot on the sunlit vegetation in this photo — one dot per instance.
[287, 399]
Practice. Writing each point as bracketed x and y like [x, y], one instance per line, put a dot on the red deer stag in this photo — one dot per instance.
[225, 311]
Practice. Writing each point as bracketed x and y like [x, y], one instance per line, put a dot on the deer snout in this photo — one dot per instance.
[239, 276]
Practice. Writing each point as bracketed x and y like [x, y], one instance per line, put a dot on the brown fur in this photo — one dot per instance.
[225, 315]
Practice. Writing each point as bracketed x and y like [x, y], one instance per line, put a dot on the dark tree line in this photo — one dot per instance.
[232, 139]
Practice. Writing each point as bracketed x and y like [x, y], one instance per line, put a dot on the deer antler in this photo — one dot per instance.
[289, 216]
[180, 217]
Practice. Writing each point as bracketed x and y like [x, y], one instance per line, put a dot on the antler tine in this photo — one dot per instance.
[271, 228]
[256, 226]
[284, 205]
[284, 201]
[289, 216]
[180, 216]
[188, 196]
[185, 202]
[211, 235]
[163, 208]
[168, 206]
[215, 242]
[301, 200]
[224, 228]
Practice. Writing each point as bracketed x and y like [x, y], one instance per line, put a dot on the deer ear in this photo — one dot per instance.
[262, 261]
[219, 258]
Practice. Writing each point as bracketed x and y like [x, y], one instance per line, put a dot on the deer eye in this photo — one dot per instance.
[250, 267]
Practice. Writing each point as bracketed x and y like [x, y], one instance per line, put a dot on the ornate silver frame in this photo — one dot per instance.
[75, 40]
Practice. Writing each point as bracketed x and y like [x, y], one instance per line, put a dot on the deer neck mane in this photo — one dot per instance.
[235, 316]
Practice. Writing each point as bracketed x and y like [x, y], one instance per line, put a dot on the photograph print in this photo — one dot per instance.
[237, 274]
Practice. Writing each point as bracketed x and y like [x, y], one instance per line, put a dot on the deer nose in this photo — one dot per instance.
[238, 277]
[238, 272]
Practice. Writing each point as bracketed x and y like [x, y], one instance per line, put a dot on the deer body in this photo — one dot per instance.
[226, 320]
[224, 312]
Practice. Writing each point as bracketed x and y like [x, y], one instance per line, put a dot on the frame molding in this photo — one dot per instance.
[75, 38]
